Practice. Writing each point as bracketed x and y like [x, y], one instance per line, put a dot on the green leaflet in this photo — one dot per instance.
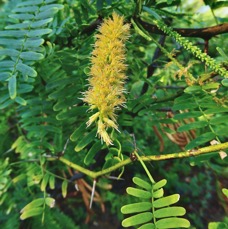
[50, 202]
[51, 6]
[44, 182]
[222, 53]
[217, 225]
[172, 223]
[138, 193]
[137, 207]
[184, 98]
[27, 3]
[36, 207]
[64, 188]
[211, 86]
[99, 4]
[141, 183]
[30, 55]
[31, 213]
[92, 152]
[41, 22]
[34, 204]
[59, 82]
[38, 32]
[78, 132]
[12, 43]
[24, 25]
[192, 125]
[110, 162]
[169, 211]
[159, 184]
[184, 105]
[166, 201]
[137, 219]
[219, 119]
[159, 193]
[9, 52]
[63, 104]
[193, 89]
[22, 16]
[225, 82]
[52, 182]
[24, 88]
[4, 76]
[206, 137]
[46, 14]
[186, 115]
[21, 101]
[85, 141]
[25, 9]
[202, 158]
[6, 64]
[75, 111]
[33, 42]
[216, 110]
[147, 226]
[225, 191]
[12, 86]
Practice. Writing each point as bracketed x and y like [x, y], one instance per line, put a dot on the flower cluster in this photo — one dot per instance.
[107, 75]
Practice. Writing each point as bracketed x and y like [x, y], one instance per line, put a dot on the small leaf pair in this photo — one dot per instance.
[36, 207]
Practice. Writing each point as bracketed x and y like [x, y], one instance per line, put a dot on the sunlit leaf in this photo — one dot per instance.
[158, 193]
[172, 223]
[225, 192]
[137, 207]
[31, 213]
[50, 202]
[166, 201]
[64, 188]
[12, 86]
[34, 204]
[44, 182]
[159, 184]
[52, 182]
[169, 211]
[141, 183]
[138, 193]
[137, 219]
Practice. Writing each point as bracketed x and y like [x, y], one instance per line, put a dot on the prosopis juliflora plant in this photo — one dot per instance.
[106, 90]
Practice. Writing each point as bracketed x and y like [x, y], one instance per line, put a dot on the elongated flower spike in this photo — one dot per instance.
[107, 75]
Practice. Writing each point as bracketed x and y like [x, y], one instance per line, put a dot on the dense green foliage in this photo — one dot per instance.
[56, 173]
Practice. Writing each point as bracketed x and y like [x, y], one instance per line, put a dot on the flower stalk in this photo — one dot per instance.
[106, 90]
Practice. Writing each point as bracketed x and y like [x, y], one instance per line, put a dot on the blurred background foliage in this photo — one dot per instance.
[42, 116]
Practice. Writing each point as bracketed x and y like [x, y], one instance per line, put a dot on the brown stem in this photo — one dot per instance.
[205, 33]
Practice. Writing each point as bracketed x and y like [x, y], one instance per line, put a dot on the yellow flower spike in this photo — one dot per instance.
[107, 75]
